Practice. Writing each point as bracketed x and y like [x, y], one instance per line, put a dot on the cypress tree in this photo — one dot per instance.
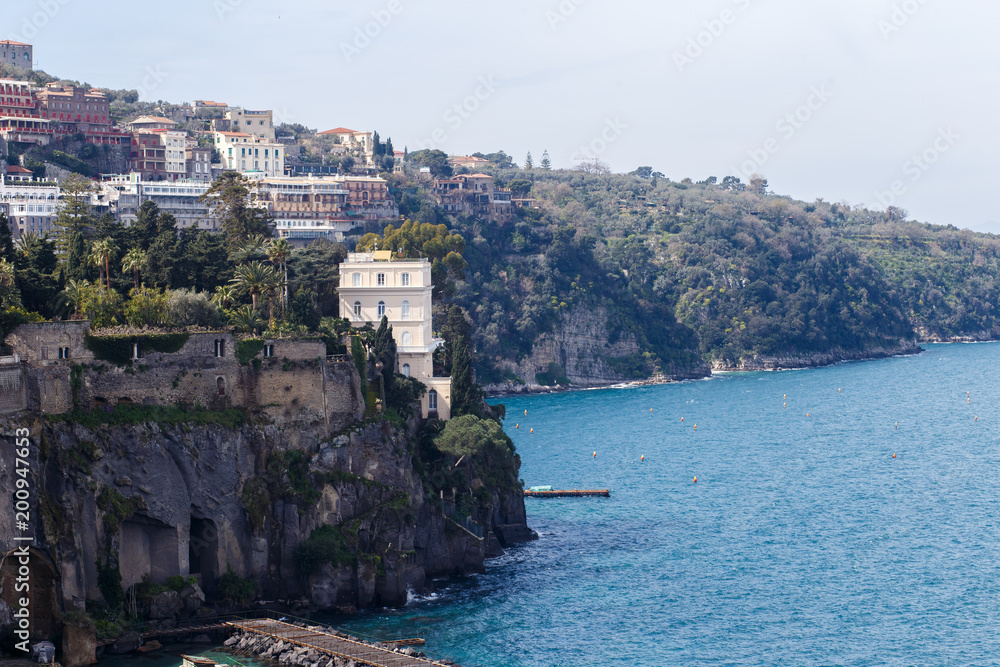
[466, 397]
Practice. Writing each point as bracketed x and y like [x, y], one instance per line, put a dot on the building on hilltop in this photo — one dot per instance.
[250, 155]
[474, 195]
[373, 285]
[468, 161]
[73, 109]
[151, 123]
[259, 123]
[18, 54]
[158, 154]
[31, 204]
[352, 142]
[305, 209]
[20, 120]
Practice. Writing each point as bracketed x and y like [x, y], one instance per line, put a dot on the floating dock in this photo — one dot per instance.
[567, 493]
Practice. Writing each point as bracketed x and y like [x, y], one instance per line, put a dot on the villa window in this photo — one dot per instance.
[432, 400]
[406, 370]
[404, 279]
[356, 280]
[380, 280]
[407, 339]
[357, 309]
[405, 310]
[381, 309]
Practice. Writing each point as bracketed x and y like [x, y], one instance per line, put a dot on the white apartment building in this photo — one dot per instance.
[32, 205]
[373, 285]
[125, 194]
[250, 155]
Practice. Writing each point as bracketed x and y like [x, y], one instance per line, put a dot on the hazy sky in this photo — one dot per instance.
[844, 100]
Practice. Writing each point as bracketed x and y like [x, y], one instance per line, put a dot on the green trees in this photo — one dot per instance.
[546, 163]
[101, 254]
[435, 160]
[528, 162]
[232, 207]
[278, 251]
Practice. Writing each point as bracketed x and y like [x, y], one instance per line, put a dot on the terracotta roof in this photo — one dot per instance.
[341, 130]
[14, 169]
[475, 176]
[7, 42]
[153, 119]
[234, 134]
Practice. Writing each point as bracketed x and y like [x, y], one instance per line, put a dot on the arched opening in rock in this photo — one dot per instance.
[148, 546]
[203, 549]
[43, 590]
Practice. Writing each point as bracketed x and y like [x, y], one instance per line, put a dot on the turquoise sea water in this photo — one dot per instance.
[802, 543]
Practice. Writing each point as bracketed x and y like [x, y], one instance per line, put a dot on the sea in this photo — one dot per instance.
[847, 515]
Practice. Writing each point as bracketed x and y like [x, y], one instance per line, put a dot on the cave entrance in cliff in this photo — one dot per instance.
[43, 592]
[203, 550]
[148, 547]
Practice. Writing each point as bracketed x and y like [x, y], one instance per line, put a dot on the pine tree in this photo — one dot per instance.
[528, 163]
[74, 210]
[546, 163]
[466, 397]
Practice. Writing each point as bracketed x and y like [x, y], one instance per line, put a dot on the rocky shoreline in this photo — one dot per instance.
[284, 653]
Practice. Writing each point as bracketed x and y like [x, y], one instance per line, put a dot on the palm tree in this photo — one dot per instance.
[72, 295]
[246, 319]
[256, 278]
[8, 285]
[278, 251]
[250, 250]
[101, 254]
[224, 295]
[25, 241]
[134, 260]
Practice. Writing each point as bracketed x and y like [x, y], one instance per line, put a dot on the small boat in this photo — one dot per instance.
[199, 661]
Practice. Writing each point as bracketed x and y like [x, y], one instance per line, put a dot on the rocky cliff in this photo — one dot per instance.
[582, 351]
[341, 522]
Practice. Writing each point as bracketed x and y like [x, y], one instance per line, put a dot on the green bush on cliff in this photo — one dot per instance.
[326, 545]
[256, 499]
[156, 414]
[485, 443]
[236, 589]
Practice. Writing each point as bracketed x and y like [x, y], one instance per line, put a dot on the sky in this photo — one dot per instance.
[872, 102]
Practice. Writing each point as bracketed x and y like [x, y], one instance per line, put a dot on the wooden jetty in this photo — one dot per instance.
[566, 493]
[329, 644]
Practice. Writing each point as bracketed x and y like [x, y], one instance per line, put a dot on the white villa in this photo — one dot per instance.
[373, 284]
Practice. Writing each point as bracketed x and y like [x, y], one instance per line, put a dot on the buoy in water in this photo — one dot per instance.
[695, 480]
[977, 418]
[696, 427]
[595, 455]
[897, 426]
[894, 455]
[642, 458]
[525, 412]
[682, 418]
[784, 405]
[651, 409]
[839, 390]
[532, 430]
[517, 426]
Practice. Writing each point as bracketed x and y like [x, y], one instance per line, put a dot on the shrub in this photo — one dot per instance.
[326, 545]
[247, 349]
[236, 589]
[146, 307]
[188, 308]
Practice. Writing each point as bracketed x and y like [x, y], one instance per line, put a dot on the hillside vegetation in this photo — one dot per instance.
[714, 271]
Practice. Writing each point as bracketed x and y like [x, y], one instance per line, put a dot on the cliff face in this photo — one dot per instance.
[580, 349]
[197, 500]
[836, 355]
